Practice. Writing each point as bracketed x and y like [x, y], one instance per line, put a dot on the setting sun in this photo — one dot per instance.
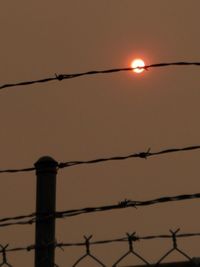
[137, 63]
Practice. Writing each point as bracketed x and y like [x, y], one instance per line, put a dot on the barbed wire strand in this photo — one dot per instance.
[60, 77]
[142, 155]
[17, 170]
[126, 204]
[21, 217]
[103, 242]
[74, 212]
[19, 223]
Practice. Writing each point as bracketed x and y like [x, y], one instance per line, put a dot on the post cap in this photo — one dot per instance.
[46, 163]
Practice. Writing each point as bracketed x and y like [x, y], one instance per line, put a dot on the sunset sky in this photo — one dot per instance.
[101, 116]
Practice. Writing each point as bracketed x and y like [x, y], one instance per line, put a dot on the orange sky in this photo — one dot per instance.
[99, 116]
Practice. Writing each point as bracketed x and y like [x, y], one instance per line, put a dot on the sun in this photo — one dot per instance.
[137, 63]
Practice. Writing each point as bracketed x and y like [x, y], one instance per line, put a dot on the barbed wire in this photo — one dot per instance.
[17, 170]
[130, 238]
[31, 221]
[74, 212]
[141, 155]
[126, 204]
[102, 242]
[21, 217]
[60, 77]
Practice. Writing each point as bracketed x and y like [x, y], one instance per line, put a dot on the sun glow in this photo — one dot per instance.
[137, 63]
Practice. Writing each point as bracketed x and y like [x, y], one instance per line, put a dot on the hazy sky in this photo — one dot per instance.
[103, 115]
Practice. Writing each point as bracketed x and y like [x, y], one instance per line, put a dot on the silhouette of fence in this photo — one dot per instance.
[131, 239]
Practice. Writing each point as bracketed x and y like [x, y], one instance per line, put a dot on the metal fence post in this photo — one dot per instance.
[46, 170]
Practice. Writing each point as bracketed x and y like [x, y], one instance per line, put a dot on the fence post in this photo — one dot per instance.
[46, 170]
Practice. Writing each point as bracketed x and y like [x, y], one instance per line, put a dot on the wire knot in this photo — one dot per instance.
[144, 155]
[87, 244]
[31, 221]
[124, 203]
[174, 233]
[59, 245]
[59, 77]
[4, 260]
[62, 165]
[31, 247]
[131, 238]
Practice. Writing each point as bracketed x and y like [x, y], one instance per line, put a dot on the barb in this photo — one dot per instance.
[141, 155]
[74, 212]
[60, 77]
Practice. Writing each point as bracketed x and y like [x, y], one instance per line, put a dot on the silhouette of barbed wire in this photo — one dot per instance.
[126, 204]
[141, 155]
[130, 238]
[19, 223]
[21, 217]
[100, 242]
[60, 77]
[75, 212]
[17, 170]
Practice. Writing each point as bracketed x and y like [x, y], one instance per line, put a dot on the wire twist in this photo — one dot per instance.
[174, 248]
[88, 254]
[131, 238]
[4, 258]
